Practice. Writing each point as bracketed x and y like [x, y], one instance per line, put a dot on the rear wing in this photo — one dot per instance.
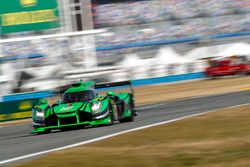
[115, 84]
[62, 89]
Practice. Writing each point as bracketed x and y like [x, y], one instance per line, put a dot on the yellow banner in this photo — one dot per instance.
[19, 18]
[19, 115]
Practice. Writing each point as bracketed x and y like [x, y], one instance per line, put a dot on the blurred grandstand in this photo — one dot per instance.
[143, 21]
[117, 13]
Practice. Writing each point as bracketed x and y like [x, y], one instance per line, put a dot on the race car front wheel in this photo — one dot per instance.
[111, 115]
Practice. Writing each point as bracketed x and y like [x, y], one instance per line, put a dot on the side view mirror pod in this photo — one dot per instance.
[110, 93]
[43, 102]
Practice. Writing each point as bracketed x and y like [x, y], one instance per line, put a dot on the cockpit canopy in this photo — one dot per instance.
[81, 96]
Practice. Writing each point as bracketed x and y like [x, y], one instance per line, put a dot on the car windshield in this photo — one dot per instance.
[78, 96]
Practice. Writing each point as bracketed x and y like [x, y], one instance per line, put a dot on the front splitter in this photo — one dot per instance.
[106, 121]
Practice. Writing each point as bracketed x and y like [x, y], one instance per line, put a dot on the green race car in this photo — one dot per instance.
[80, 105]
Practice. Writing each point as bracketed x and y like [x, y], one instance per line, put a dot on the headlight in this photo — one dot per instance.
[96, 107]
[39, 113]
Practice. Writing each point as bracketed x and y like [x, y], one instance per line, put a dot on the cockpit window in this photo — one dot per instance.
[78, 96]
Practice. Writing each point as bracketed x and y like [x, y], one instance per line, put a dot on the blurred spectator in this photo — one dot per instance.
[175, 29]
[154, 20]
[139, 12]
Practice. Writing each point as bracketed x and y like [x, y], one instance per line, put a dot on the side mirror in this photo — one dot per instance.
[110, 93]
[43, 102]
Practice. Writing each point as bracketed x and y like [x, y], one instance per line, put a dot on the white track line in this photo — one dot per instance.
[109, 136]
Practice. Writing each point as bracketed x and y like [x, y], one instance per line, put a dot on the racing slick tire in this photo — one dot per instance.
[241, 73]
[128, 119]
[132, 116]
[111, 115]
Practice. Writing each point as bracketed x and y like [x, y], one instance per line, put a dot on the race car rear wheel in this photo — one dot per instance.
[241, 73]
[133, 113]
[111, 115]
[127, 119]
[44, 132]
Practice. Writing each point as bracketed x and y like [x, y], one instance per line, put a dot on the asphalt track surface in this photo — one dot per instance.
[17, 140]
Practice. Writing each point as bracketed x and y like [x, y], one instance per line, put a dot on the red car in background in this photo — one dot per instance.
[234, 65]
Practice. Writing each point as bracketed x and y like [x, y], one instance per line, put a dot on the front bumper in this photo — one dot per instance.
[73, 121]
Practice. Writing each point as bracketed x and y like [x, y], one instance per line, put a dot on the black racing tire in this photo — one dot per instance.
[65, 129]
[132, 107]
[111, 115]
[133, 114]
[241, 73]
[131, 118]
[127, 119]
[47, 131]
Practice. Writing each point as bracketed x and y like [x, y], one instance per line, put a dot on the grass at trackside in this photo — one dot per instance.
[218, 139]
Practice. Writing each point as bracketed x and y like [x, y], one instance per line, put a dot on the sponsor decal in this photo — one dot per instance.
[25, 105]
[28, 3]
[28, 15]
[31, 17]
[68, 107]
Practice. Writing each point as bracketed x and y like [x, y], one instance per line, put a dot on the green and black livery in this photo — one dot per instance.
[80, 105]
